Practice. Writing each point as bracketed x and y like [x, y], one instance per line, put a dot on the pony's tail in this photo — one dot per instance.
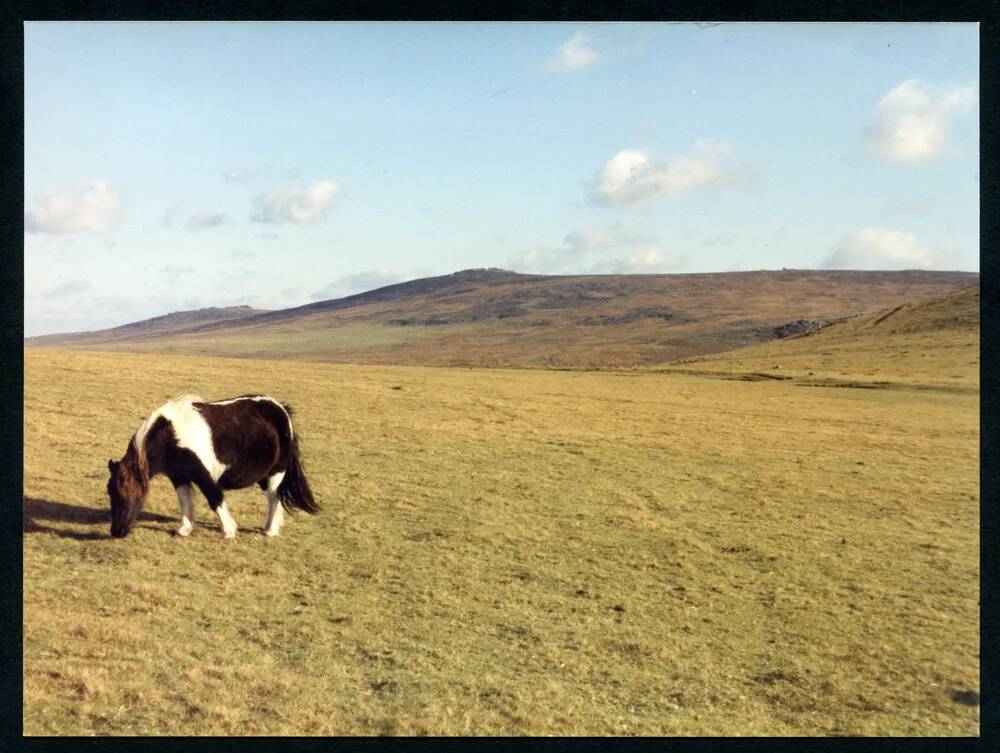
[294, 491]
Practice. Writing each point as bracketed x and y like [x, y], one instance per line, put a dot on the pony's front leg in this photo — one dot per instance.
[214, 496]
[226, 520]
[187, 510]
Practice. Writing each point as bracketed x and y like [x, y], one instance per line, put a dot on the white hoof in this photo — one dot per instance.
[182, 531]
[271, 531]
[229, 534]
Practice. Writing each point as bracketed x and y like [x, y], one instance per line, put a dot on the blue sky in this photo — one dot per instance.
[171, 166]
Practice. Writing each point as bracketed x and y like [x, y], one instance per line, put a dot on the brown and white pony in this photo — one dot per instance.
[226, 444]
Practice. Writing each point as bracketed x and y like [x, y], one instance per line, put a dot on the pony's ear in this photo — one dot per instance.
[112, 464]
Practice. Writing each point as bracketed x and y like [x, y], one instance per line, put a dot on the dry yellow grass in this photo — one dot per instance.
[511, 552]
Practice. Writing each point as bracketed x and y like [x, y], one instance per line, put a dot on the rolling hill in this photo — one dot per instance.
[493, 317]
[157, 326]
[931, 343]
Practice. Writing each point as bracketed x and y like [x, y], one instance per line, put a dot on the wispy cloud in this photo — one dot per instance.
[573, 55]
[601, 238]
[297, 206]
[204, 220]
[86, 207]
[632, 177]
[911, 121]
[170, 216]
[879, 248]
[67, 289]
[360, 282]
[650, 259]
[610, 249]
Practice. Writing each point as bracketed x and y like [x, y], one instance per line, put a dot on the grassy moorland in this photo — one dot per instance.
[513, 552]
[932, 343]
[499, 318]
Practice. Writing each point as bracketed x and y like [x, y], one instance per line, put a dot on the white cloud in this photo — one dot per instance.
[632, 177]
[879, 248]
[911, 121]
[611, 249]
[574, 54]
[298, 206]
[538, 259]
[87, 207]
[597, 239]
[204, 220]
[360, 282]
[651, 259]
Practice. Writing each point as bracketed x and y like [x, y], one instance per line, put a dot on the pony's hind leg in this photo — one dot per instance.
[187, 510]
[275, 512]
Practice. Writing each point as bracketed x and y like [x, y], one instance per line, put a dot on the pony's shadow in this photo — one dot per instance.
[35, 510]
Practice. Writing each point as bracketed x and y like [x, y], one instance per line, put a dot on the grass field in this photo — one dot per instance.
[512, 552]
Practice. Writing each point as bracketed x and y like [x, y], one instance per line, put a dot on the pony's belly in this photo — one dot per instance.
[234, 479]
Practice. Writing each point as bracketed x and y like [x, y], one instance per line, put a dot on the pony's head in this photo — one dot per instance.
[127, 488]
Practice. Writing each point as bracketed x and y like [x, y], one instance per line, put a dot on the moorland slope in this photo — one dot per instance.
[492, 317]
[178, 321]
[932, 343]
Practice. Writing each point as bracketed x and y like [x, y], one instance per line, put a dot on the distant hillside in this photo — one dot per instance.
[158, 325]
[494, 317]
[931, 343]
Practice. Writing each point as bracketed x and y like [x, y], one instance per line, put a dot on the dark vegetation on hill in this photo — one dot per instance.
[173, 322]
[493, 317]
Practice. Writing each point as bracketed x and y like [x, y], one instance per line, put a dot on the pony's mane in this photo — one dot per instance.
[136, 479]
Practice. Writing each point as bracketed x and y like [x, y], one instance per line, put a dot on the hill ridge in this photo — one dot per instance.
[495, 317]
[171, 321]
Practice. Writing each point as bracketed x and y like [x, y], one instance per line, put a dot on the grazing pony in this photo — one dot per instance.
[226, 444]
